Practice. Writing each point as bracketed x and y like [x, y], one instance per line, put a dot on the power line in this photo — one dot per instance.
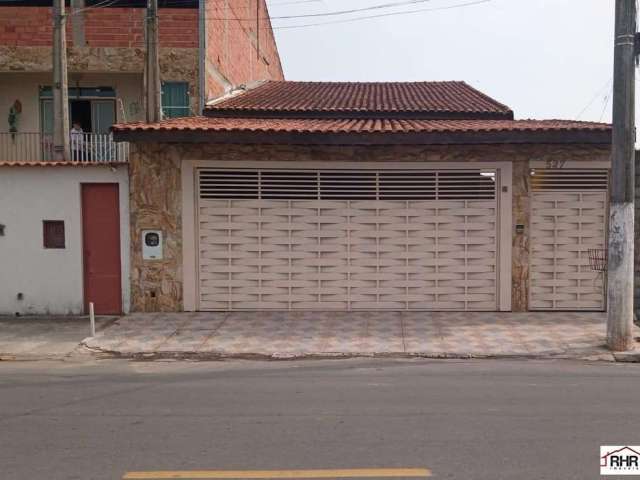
[348, 20]
[593, 99]
[391, 14]
[101, 4]
[606, 103]
[329, 14]
[334, 22]
[353, 10]
[299, 2]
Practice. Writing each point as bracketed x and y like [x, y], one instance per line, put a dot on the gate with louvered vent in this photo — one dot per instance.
[347, 240]
[568, 217]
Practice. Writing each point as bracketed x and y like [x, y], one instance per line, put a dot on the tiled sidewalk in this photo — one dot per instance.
[299, 334]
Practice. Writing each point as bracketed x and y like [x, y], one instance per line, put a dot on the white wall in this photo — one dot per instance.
[25, 87]
[50, 280]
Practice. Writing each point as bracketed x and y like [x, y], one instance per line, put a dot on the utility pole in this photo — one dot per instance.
[60, 94]
[152, 87]
[620, 252]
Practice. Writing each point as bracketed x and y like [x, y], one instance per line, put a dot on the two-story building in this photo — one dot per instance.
[64, 237]
[200, 59]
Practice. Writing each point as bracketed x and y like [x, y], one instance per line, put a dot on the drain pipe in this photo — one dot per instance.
[202, 55]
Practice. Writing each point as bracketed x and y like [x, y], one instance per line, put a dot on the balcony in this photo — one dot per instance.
[85, 148]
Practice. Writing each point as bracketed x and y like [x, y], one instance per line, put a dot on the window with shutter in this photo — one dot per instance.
[53, 233]
[175, 99]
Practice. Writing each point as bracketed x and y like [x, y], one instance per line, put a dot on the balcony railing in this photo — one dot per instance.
[85, 148]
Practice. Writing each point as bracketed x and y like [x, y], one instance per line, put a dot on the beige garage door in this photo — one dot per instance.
[347, 240]
[568, 217]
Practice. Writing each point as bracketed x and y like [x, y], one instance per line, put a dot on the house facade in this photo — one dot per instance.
[206, 49]
[367, 196]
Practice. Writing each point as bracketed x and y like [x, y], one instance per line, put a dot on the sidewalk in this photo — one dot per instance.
[283, 335]
[34, 338]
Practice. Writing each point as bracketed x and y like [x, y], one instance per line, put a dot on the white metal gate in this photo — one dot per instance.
[568, 217]
[347, 240]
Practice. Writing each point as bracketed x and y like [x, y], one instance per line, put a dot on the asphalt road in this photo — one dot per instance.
[460, 419]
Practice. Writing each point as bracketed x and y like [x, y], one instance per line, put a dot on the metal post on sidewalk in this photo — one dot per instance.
[92, 319]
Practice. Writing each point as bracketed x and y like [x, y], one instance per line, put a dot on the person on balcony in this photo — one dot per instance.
[78, 151]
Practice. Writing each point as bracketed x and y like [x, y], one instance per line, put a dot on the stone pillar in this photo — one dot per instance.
[155, 195]
[520, 246]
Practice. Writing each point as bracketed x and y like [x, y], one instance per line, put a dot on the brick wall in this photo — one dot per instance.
[240, 49]
[103, 27]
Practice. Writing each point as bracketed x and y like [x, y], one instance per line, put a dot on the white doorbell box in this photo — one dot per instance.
[152, 244]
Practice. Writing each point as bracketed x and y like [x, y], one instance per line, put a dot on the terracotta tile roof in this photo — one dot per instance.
[348, 98]
[311, 125]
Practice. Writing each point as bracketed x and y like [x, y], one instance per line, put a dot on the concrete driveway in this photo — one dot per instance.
[335, 334]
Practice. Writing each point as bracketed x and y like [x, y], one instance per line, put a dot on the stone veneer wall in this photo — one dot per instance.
[520, 245]
[156, 198]
[156, 194]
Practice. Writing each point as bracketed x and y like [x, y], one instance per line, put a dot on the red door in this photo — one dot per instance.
[101, 247]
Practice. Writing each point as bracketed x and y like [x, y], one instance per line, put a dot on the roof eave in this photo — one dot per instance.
[352, 114]
[595, 137]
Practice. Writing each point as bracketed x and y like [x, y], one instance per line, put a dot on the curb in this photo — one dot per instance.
[222, 356]
[35, 358]
[627, 357]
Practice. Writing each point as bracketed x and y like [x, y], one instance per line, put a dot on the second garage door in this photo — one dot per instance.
[347, 240]
[568, 218]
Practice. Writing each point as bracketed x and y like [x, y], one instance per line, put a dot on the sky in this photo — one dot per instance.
[543, 58]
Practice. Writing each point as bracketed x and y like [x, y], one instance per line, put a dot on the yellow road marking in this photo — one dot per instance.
[278, 474]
